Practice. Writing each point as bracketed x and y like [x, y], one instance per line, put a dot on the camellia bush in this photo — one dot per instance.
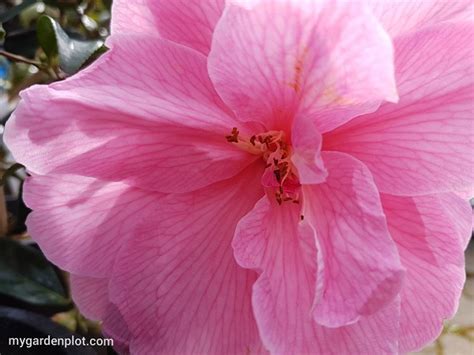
[240, 176]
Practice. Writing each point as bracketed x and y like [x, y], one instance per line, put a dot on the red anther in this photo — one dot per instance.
[234, 136]
[277, 175]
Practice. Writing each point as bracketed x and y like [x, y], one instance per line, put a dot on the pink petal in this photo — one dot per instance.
[360, 271]
[273, 58]
[269, 240]
[132, 17]
[80, 223]
[465, 194]
[457, 209]
[272, 240]
[160, 127]
[424, 143]
[430, 232]
[189, 22]
[399, 16]
[306, 155]
[90, 295]
[177, 283]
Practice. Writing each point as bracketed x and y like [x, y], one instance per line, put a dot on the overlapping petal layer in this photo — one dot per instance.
[80, 223]
[132, 16]
[91, 296]
[306, 151]
[401, 16]
[272, 240]
[430, 233]
[149, 117]
[189, 22]
[424, 143]
[359, 270]
[270, 59]
[177, 283]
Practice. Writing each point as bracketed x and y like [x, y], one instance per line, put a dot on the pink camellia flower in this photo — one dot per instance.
[260, 176]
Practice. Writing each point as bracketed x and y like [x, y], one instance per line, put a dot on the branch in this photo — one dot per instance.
[20, 59]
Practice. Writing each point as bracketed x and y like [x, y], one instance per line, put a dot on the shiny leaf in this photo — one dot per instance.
[26, 275]
[71, 53]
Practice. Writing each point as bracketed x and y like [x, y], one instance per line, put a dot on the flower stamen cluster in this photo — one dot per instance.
[276, 152]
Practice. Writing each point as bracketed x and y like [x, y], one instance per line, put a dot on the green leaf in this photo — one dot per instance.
[15, 10]
[46, 32]
[94, 56]
[26, 275]
[57, 45]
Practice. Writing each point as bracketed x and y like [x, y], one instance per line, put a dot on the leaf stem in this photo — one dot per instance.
[20, 59]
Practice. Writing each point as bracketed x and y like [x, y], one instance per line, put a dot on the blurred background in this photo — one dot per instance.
[40, 42]
[46, 41]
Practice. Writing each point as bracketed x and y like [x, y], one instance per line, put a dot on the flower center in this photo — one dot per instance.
[280, 174]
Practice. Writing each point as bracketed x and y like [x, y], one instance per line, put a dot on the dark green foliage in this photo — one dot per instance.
[70, 54]
[26, 275]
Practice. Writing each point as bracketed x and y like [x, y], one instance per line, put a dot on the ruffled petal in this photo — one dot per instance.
[272, 240]
[189, 22]
[360, 270]
[177, 283]
[80, 222]
[132, 16]
[400, 16]
[146, 114]
[270, 59]
[424, 143]
[306, 144]
[430, 233]
[90, 295]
